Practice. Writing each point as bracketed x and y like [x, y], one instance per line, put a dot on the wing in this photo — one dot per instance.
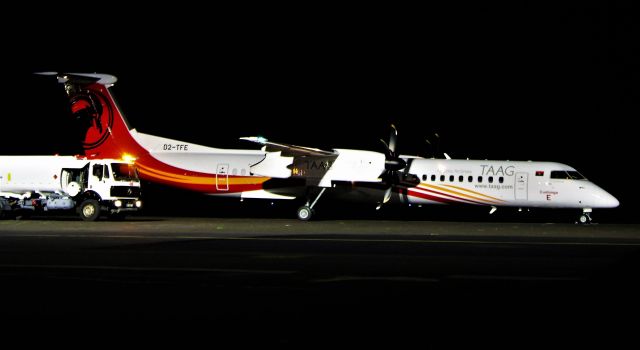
[318, 167]
[289, 150]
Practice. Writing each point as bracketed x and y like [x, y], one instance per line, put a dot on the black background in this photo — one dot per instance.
[518, 82]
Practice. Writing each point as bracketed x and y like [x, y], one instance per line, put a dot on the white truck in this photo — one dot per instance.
[93, 187]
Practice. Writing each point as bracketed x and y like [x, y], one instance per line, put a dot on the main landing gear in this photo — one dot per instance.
[306, 211]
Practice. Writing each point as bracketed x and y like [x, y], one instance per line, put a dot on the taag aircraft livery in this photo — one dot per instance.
[281, 171]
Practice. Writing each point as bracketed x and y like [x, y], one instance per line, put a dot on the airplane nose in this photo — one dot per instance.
[596, 197]
[605, 200]
[611, 201]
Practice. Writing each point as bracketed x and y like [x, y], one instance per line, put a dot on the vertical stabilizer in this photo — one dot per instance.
[102, 126]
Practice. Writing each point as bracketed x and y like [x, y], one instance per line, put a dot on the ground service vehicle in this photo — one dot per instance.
[30, 184]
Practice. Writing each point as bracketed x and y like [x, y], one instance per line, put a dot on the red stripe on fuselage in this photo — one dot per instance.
[429, 197]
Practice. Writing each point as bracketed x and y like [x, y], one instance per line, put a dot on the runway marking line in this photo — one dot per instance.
[376, 278]
[622, 244]
[145, 269]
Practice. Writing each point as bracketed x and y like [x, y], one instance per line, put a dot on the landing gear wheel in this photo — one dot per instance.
[305, 213]
[584, 219]
[89, 210]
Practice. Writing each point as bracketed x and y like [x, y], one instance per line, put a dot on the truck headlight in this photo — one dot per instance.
[138, 204]
[117, 203]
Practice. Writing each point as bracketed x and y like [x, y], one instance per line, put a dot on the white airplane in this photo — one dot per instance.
[281, 171]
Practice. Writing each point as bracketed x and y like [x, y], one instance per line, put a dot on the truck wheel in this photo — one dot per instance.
[90, 210]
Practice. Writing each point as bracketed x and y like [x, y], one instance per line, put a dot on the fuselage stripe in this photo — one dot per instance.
[474, 192]
[202, 180]
[447, 196]
[456, 194]
[429, 197]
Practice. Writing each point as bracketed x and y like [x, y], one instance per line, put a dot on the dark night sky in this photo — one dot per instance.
[524, 82]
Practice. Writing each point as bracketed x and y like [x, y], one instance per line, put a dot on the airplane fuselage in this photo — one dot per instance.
[225, 172]
[503, 183]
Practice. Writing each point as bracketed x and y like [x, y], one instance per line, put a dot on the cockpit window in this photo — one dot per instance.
[576, 175]
[566, 175]
[124, 172]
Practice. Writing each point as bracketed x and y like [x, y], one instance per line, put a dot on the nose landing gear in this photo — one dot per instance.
[585, 217]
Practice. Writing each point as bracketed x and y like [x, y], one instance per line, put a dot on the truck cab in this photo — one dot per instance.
[103, 186]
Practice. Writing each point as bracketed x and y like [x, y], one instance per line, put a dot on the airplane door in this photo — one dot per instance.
[521, 186]
[222, 177]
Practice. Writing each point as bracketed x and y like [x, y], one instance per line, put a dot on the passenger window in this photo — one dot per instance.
[490, 179]
[470, 179]
[479, 178]
[501, 179]
[105, 171]
[460, 178]
[424, 177]
[441, 177]
[451, 178]
[433, 177]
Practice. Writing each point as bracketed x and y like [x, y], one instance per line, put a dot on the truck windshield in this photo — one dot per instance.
[124, 172]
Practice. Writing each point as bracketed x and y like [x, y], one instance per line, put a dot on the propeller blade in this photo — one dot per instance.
[392, 139]
[386, 146]
[387, 195]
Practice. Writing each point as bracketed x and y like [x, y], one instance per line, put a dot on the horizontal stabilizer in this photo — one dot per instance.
[83, 78]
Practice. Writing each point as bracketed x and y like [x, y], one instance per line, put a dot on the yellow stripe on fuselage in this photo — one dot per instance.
[474, 192]
[199, 180]
[464, 195]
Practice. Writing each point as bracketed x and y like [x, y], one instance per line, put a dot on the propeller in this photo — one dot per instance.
[392, 166]
[392, 162]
